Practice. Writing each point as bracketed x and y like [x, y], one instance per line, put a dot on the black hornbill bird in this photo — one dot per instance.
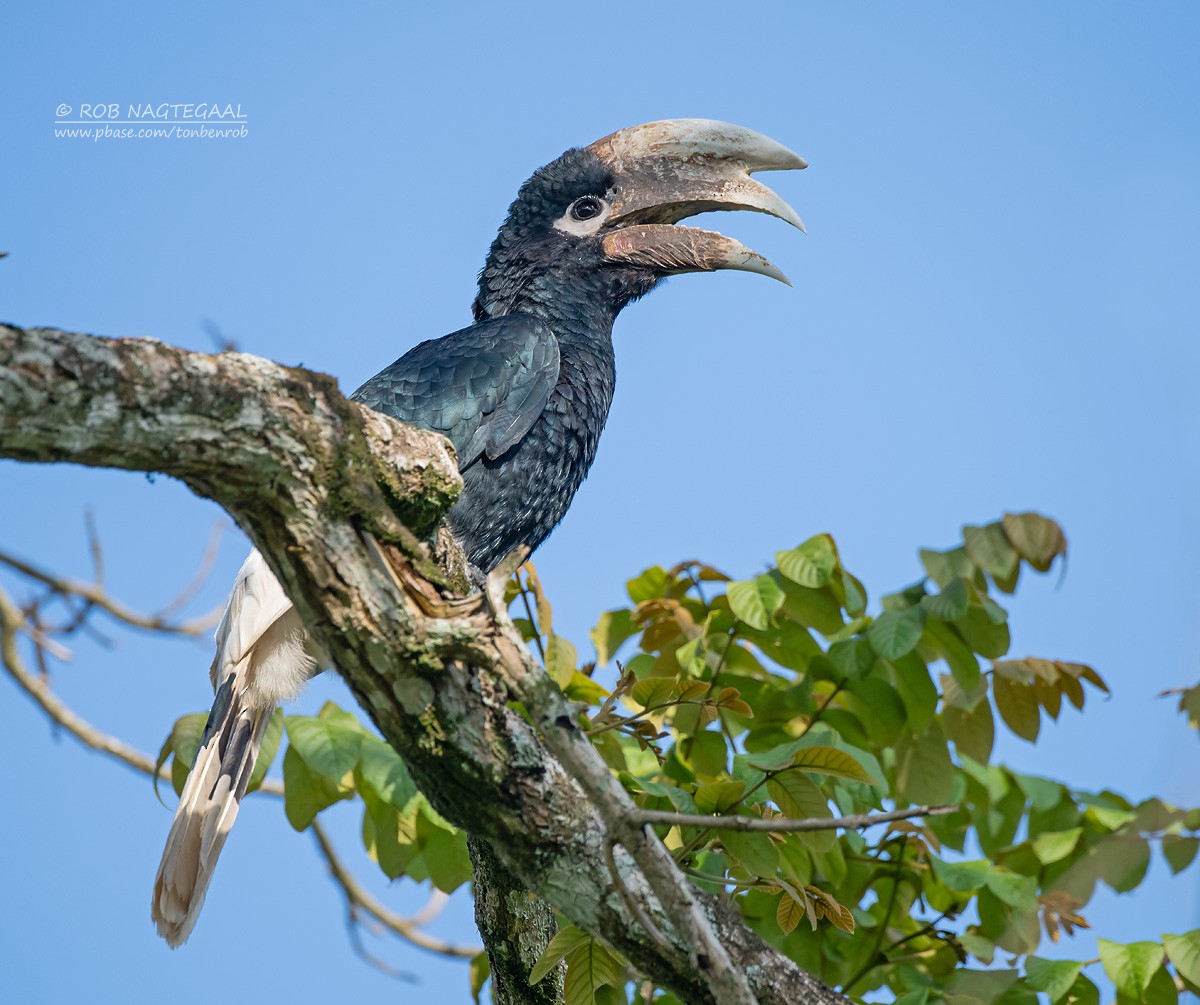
[523, 395]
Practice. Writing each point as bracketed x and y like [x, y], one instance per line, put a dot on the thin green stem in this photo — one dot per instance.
[874, 959]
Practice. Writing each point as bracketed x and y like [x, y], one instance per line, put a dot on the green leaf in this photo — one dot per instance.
[879, 708]
[692, 657]
[1184, 951]
[853, 658]
[652, 583]
[706, 753]
[481, 970]
[1161, 989]
[790, 645]
[182, 741]
[306, 792]
[382, 771]
[561, 660]
[270, 746]
[580, 687]
[896, 633]
[817, 609]
[777, 757]
[653, 692]
[1013, 889]
[800, 799]
[985, 629]
[944, 566]
[567, 938]
[755, 600]
[962, 877]
[717, 797]
[1179, 851]
[612, 630]
[812, 564]
[589, 968]
[754, 850]
[917, 690]
[1123, 860]
[445, 854]
[1037, 538]
[973, 731]
[831, 761]
[855, 594]
[989, 548]
[924, 772]
[1054, 846]
[329, 746]
[957, 654]
[1131, 967]
[1054, 977]
[951, 604]
[1083, 992]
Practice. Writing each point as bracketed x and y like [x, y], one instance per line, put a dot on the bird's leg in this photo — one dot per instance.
[497, 580]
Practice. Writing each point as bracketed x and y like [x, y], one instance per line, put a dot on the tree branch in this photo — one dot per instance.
[94, 595]
[311, 477]
[516, 926]
[785, 824]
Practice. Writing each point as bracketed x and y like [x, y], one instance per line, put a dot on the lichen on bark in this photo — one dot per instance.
[310, 477]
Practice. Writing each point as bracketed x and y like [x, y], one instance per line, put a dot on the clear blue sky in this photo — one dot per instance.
[996, 308]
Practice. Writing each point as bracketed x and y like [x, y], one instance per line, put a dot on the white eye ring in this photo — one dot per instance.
[584, 216]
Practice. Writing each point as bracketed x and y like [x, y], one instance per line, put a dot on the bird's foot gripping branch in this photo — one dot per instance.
[768, 795]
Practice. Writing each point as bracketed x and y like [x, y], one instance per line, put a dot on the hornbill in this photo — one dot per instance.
[522, 394]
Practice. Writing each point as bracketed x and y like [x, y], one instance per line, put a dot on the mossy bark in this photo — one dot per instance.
[308, 476]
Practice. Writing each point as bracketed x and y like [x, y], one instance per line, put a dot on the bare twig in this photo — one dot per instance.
[359, 897]
[11, 623]
[407, 928]
[785, 824]
[212, 548]
[94, 594]
[629, 900]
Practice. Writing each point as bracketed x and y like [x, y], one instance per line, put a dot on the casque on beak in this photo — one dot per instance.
[668, 171]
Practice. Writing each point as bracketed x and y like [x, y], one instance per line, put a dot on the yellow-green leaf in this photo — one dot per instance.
[755, 600]
[1131, 967]
[812, 564]
[565, 940]
[717, 797]
[895, 633]
[589, 968]
[1054, 977]
[831, 761]
[1053, 846]
[611, 631]
[561, 659]
[1184, 951]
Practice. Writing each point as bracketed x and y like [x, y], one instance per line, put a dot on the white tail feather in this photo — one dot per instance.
[264, 656]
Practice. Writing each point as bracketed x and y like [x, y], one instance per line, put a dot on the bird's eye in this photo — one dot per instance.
[587, 208]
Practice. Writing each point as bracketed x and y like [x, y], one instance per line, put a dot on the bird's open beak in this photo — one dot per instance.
[670, 170]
